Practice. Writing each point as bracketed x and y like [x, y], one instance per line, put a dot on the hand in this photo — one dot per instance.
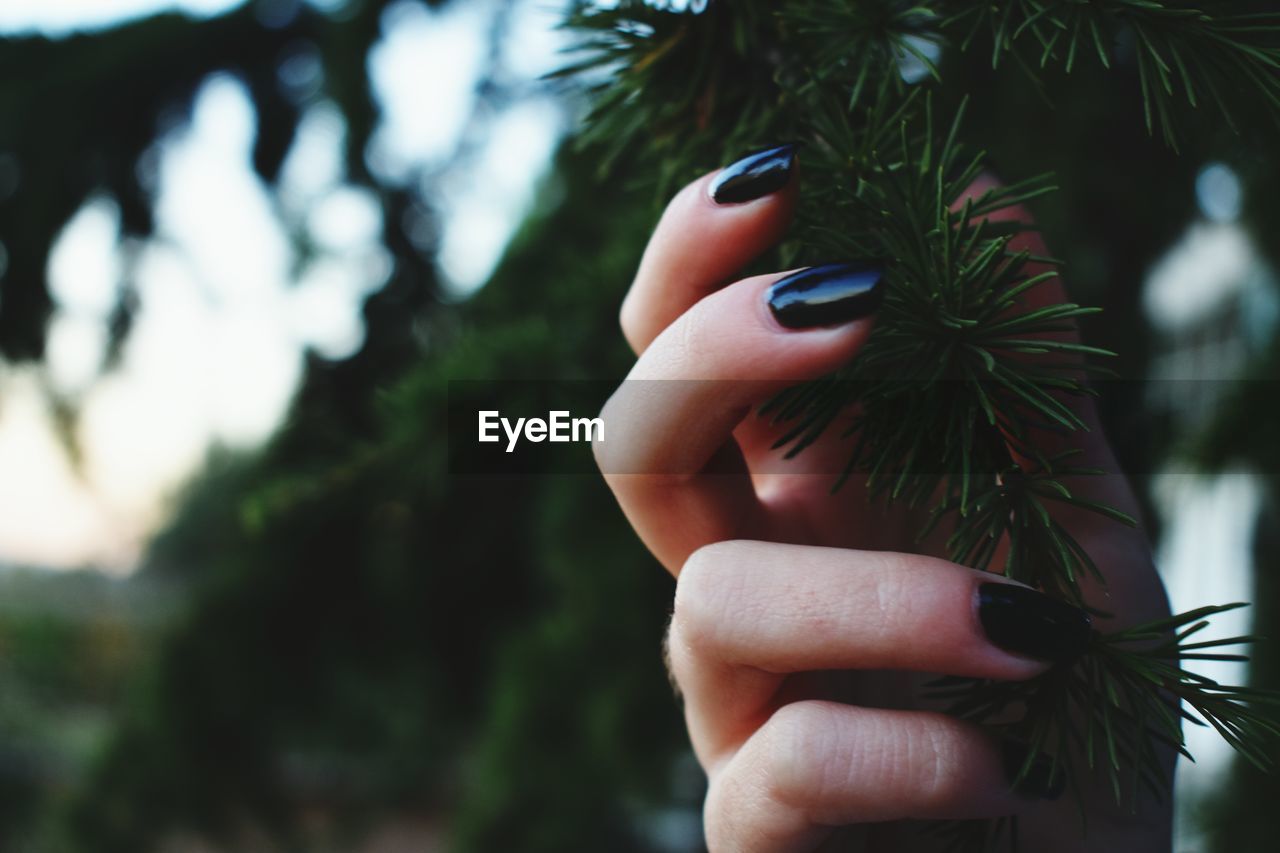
[799, 662]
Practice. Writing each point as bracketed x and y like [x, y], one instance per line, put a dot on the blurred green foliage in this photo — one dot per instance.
[369, 634]
[364, 634]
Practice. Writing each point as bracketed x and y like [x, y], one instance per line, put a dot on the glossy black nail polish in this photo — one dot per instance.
[1027, 622]
[826, 295]
[1040, 779]
[754, 176]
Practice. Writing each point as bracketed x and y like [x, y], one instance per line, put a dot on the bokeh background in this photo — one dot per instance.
[244, 605]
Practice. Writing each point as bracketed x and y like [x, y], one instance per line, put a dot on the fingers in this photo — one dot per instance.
[814, 766]
[668, 453]
[700, 244]
[749, 614]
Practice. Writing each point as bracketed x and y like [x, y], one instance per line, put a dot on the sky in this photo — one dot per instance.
[59, 17]
[217, 348]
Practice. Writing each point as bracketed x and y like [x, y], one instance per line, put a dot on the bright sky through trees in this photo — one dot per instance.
[217, 346]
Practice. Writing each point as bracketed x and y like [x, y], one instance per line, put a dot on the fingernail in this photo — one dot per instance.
[1026, 622]
[826, 295]
[1040, 780]
[754, 176]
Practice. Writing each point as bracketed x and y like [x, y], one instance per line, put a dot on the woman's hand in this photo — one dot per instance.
[786, 764]
[799, 657]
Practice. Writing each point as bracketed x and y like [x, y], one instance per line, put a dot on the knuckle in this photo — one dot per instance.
[776, 773]
[615, 452]
[805, 762]
[696, 612]
[711, 621]
[799, 754]
[710, 593]
[703, 576]
[600, 451]
[629, 319]
[674, 659]
[680, 655]
[627, 448]
[700, 567]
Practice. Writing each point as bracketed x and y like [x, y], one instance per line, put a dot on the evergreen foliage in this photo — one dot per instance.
[962, 379]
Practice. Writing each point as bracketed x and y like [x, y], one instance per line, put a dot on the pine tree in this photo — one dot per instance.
[959, 373]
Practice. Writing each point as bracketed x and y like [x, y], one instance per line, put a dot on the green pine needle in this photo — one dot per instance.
[944, 406]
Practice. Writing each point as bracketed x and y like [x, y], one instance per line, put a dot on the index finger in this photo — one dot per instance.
[711, 229]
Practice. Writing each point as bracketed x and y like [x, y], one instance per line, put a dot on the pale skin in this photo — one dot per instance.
[802, 622]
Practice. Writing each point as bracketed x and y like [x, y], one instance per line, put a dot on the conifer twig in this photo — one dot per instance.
[958, 371]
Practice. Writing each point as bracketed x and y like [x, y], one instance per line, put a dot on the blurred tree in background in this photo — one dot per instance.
[364, 636]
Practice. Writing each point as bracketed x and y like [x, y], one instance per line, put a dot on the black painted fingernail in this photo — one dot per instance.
[1027, 622]
[826, 295]
[1040, 779]
[754, 176]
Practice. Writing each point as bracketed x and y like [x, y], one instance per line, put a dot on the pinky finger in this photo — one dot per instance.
[815, 766]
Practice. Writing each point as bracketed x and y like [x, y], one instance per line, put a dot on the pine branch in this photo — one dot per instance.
[954, 377]
[654, 75]
[1198, 54]
[1126, 697]
[958, 372]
